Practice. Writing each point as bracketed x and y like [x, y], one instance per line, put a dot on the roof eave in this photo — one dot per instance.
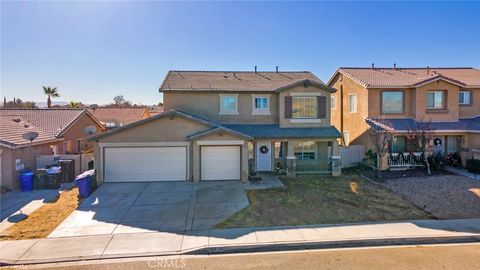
[152, 118]
[218, 130]
[307, 82]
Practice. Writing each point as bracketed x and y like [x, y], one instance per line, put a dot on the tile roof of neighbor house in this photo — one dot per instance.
[124, 115]
[234, 80]
[275, 131]
[404, 124]
[52, 121]
[12, 129]
[247, 131]
[410, 77]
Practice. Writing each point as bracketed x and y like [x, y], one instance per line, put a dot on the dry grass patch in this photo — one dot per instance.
[318, 199]
[44, 220]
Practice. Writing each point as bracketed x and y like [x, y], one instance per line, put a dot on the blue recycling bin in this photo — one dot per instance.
[83, 183]
[26, 181]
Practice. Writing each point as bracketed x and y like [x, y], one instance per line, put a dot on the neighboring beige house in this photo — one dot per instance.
[60, 131]
[449, 97]
[225, 126]
[113, 117]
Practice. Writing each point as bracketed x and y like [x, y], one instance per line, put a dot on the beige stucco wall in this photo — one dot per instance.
[207, 105]
[9, 175]
[353, 123]
[76, 132]
[451, 112]
[466, 111]
[375, 103]
[302, 89]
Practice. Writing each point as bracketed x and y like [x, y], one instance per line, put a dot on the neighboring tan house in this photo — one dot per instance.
[60, 131]
[449, 97]
[113, 117]
[225, 126]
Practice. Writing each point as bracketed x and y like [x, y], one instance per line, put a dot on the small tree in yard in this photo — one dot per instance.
[381, 134]
[420, 134]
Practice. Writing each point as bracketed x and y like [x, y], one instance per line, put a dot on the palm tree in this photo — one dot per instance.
[74, 104]
[50, 92]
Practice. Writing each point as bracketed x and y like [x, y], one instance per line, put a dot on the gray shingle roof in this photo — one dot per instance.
[233, 80]
[404, 124]
[275, 131]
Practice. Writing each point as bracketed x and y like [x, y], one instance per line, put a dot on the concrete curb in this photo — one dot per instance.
[268, 247]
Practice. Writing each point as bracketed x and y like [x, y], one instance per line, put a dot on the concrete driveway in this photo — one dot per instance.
[117, 208]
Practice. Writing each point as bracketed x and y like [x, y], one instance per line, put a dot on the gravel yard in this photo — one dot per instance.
[444, 196]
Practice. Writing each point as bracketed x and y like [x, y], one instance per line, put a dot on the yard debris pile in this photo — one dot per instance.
[44, 220]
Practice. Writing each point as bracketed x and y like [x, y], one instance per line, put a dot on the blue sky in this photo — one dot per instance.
[93, 51]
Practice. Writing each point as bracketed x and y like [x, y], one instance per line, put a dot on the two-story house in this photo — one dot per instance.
[224, 126]
[448, 97]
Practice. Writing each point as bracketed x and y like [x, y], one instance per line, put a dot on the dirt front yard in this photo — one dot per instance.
[445, 196]
[44, 220]
[320, 199]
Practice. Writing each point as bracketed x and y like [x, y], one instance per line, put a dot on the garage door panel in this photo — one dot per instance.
[132, 164]
[220, 163]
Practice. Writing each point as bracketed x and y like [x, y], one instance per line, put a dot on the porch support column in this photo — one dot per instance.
[336, 159]
[291, 160]
[195, 162]
[244, 163]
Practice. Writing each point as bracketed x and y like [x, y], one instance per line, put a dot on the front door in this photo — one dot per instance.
[264, 156]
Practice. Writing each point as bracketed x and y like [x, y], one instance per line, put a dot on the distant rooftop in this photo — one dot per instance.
[410, 77]
[124, 115]
[177, 80]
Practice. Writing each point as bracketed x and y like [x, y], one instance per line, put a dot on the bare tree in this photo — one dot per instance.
[381, 134]
[118, 100]
[420, 133]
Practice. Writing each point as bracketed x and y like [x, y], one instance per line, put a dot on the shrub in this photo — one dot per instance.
[473, 165]
[437, 162]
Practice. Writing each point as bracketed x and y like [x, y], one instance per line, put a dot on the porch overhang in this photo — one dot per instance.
[277, 132]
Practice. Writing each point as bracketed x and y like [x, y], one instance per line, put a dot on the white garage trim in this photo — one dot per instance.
[102, 147]
[220, 162]
[119, 144]
[231, 142]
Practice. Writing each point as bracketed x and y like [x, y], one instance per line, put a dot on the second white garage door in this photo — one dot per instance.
[138, 164]
[220, 162]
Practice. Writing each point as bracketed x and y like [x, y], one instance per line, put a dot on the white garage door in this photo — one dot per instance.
[220, 163]
[137, 164]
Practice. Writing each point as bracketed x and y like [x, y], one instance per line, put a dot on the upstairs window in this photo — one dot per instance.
[333, 102]
[261, 105]
[304, 107]
[228, 104]
[436, 100]
[464, 98]
[392, 102]
[353, 103]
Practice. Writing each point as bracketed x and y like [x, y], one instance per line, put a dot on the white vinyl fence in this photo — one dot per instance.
[352, 155]
[44, 160]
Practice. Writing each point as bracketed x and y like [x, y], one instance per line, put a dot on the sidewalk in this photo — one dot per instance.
[462, 172]
[236, 240]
